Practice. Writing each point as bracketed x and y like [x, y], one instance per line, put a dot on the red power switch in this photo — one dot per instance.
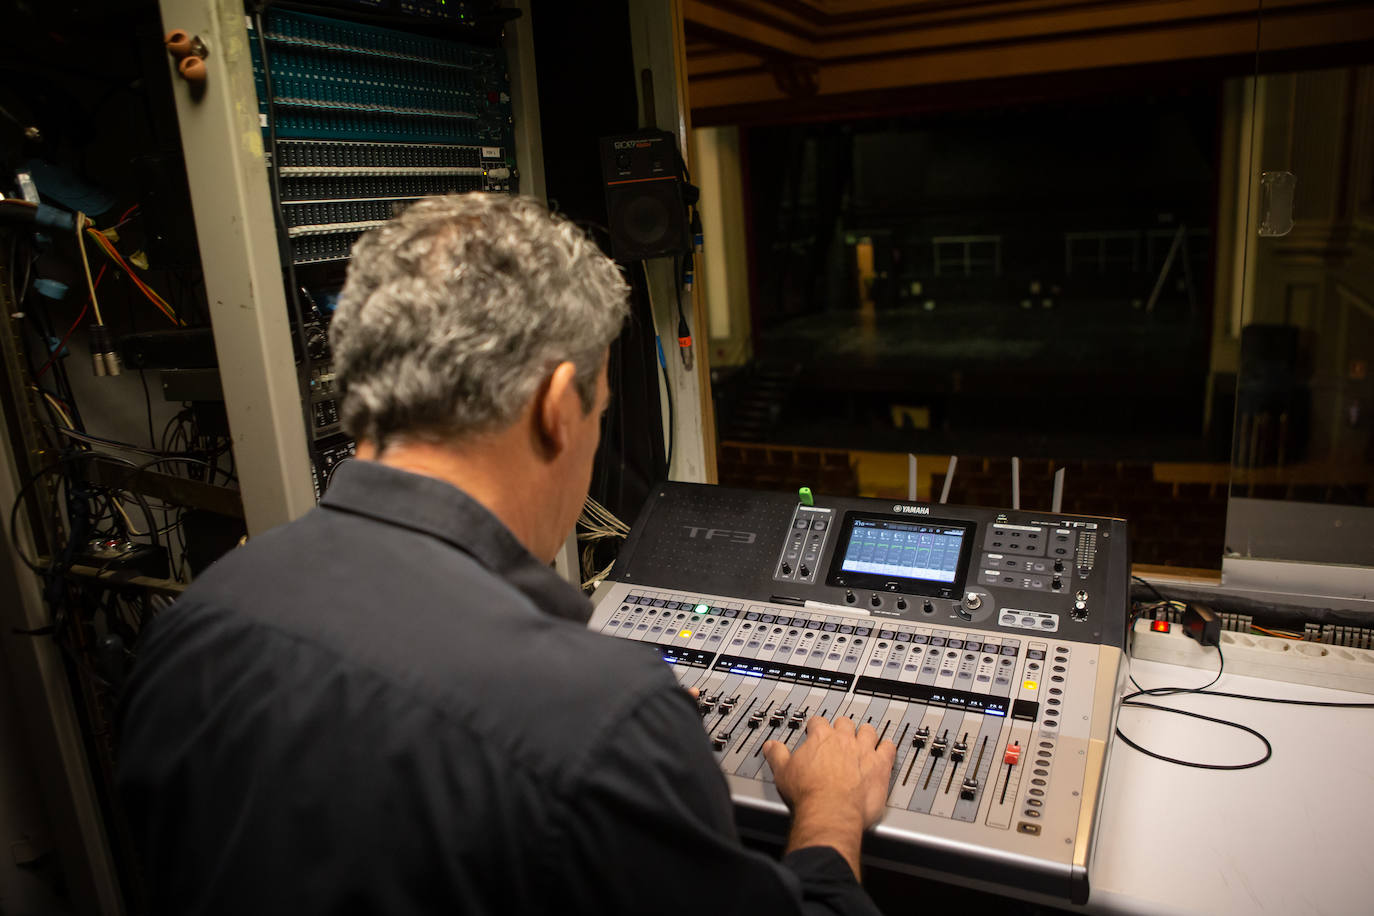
[1012, 756]
[1160, 626]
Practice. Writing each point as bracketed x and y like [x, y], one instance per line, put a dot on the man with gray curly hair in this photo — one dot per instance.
[392, 704]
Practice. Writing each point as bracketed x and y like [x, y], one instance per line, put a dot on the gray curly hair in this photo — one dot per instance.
[455, 312]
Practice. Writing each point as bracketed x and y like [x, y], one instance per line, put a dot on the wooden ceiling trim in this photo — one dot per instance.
[732, 30]
[936, 11]
[722, 63]
[766, 13]
[1288, 27]
[1030, 11]
[1172, 14]
[908, 101]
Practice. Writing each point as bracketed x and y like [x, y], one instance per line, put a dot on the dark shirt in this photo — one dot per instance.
[390, 706]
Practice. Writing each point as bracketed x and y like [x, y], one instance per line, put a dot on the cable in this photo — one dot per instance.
[663, 367]
[1130, 699]
[1249, 765]
[1279, 633]
[59, 464]
[668, 390]
[167, 459]
[108, 247]
[88, 439]
[682, 276]
[61, 344]
[148, 407]
[86, 265]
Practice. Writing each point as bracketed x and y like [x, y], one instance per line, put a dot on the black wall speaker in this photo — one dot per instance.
[644, 195]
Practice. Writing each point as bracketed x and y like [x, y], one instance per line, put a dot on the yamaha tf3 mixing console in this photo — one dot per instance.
[985, 644]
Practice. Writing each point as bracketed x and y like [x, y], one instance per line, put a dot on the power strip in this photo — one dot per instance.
[1289, 660]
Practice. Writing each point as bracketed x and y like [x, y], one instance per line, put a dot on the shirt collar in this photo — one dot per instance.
[441, 510]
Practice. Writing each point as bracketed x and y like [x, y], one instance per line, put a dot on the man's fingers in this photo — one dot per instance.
[694, 692]
[867, 735]
[845, 725]
[887, 754]
[816, 724]
[777, 755]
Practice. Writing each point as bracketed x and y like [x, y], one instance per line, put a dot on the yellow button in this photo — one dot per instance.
[685, 633]
[1031, 685]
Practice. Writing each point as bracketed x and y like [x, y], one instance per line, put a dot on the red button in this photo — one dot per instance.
[1013, 755]
[1160, 626]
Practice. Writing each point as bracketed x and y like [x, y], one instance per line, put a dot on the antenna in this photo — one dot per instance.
[949, 478]
[1058, 491]
[1016, 483]
[910, 476]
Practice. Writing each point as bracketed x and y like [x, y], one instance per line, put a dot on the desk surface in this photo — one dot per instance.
[1291, 836]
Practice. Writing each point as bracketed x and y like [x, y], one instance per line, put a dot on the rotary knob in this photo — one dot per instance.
[972, 601]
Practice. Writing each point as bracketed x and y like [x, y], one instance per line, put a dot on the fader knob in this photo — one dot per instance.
[957, 752]
[969, 788]
[721, 739]
[972, 601]
[918, 740]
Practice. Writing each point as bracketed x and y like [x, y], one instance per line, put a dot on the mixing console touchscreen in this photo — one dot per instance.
[985, 644]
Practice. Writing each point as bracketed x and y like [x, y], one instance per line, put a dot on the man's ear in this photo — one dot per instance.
[556, 408]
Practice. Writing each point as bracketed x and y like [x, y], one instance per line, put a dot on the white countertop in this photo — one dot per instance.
[1292, 836]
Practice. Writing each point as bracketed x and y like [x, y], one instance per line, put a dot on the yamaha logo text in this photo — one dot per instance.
[911, 510]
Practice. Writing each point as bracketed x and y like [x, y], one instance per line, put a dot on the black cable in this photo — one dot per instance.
[148, 406]
[1268, 748]
[1288, 702]
[668, 389]
[684, 331]
[14, 511]
[1130, 699]
[168, 459]
[61, 463]
[1151, 587]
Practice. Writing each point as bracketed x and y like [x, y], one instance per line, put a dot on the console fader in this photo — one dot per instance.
[985, 644]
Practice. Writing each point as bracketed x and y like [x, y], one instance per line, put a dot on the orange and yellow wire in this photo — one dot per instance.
[108, 247]
[1279, 633]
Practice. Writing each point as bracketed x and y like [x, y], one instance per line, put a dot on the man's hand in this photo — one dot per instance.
[836, 784]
